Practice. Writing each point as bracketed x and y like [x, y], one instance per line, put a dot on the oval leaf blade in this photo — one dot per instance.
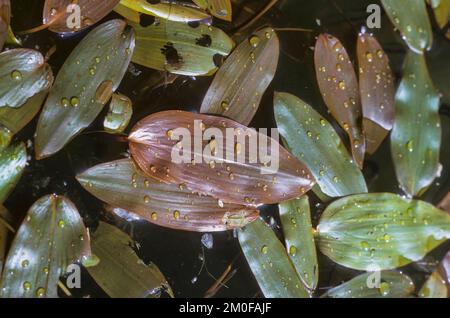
[119, 114]
[12, 163]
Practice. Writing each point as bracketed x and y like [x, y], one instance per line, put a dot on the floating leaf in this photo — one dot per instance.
[219, 8]
[51, 238]
[120, 184]
[6, 136]
[84, 84]
[269, 262]
[5, 19]
[12, 163]
[441, 10]
[120, 272]
[313, 140]
[11, 38]
[298, 233]
[241, 81]
[412, 21]
[128, 13]
[339, 87]
[23, 73]
[416, 136]
[380, 231]
[444, 204]
[119, 114]
[434, 287]
[377, 90]
[4, 233]
[61, 15]
[169, 10]
[180, 48]
[256, 172]
[391, 285]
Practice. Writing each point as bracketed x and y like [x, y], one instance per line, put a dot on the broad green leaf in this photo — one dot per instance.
[168, 10]
[51, 237]
[12, 163]
[119, 114]
[314, 141]
[377, 90]
[391, 284]
[434, 287]
[219, 8]
[298, 233]
[441, 10]
[84, 84]
[23, 73]
[380, 231]
[338, 85]
[5, 19]
[241, 81]
[416, 136]
[120, 272]
[412, 21]
[121, 184]
[269, 262]
[180, 48]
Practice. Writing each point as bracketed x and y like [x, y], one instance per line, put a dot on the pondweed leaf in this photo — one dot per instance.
[12, 163]
[441, 10]
[295, 218]
[6, 136]
[315, 143]
[434, 287]
[61, 15]
[120, 272]
[416, 136]
[380, 231]
[241, 81]
[211, 156]
[4, 235]
[377, 90]
[219, 8]
[23, 73]
[338, 85]
[180, 48]
[269, 262]
[5, 19]
[412, 21]
[119, 114]
[84, 84]
[121, 184]
[128, 13]
[51, 237]
[385, 284]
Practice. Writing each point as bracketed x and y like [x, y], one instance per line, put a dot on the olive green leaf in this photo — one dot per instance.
[380, 231]
[121, 184]
[241, 81]
[6, 136]
[295, 218]
[23, 73]
[84, 84]
[119, 114]
[219, 8]
[5, 19]
[434, 287]
[441, 10]
[412, 21]
[416, 136]
[269, 262]
[385, 284]
[12, 163]
[51, 237]
[315, 143]
[169, 10]
[128, 13]
[180, 48]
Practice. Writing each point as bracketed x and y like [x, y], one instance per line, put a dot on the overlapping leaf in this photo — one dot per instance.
[416, 136]
[84, 84]
[391, 285]
[339, 87]
[119, 114]
[23, 73]
[180, 48]
[441, 10]
[51, 237]
[121, 184]
[6, 136]
[269, 262]
[412, 21]
[120, 273]
[313, 140]
[61, 15]
[214, 158]
[5, 17]
[434, 287]
[12, 163]
[241, 81]
[377, 90]
[4, 233]
[380, 231]
[219, 8]
[128, 13]
[298, 233]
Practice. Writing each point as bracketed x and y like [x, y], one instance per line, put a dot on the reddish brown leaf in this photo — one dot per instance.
[339, 87]
[377, 89]
[445, 203]
[235, 179]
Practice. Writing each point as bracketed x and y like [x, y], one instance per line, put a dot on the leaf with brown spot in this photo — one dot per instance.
[339, 87]
[230, 169]
[241, 81]
[377, 89]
